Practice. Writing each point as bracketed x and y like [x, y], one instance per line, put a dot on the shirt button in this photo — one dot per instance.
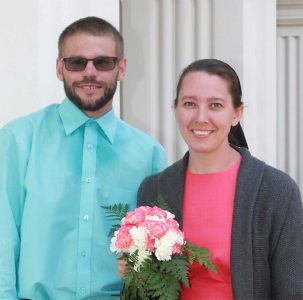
[85, 217]
[83, 253]
[90, 146]
[88, 180]
[83, 290]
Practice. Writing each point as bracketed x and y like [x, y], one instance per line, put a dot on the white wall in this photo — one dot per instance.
[169, 34]
[29, 31]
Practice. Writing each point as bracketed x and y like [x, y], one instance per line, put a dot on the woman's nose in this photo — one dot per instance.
[202, 115]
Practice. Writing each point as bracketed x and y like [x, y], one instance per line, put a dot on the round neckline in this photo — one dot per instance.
[230, 169]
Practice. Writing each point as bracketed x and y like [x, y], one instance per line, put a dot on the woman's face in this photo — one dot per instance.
[205, 112]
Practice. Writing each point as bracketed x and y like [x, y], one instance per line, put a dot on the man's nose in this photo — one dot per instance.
[90, 69]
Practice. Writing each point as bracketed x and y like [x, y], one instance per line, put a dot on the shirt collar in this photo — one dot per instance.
[73, 118]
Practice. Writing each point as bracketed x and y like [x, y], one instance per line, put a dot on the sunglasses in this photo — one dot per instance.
[101, 63]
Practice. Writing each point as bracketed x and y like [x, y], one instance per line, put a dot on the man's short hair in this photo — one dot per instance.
[94, 26]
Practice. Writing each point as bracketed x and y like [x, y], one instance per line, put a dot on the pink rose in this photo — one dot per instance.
[173, 225]
[134, 218]
[156, 211]
[156, 229]
[177, 248]
[124, 239]
[150, 243]
[146, 210]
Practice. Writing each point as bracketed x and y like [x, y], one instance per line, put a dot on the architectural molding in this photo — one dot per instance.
[289, 12]
[289, 4]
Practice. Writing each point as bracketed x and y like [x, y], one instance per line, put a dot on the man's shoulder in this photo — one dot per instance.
[31, 120]
[137, 134]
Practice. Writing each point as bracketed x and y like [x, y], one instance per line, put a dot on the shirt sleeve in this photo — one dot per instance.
[159, 159]
[11, 197]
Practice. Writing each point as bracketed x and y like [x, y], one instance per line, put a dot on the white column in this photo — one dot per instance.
[290, 91]
[259, 78]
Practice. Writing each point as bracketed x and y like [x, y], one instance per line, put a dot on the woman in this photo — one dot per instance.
[248, 214]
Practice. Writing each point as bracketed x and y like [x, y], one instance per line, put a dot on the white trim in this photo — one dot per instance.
[290, 12]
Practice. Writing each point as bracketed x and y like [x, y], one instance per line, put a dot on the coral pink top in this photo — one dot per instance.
[207, 221]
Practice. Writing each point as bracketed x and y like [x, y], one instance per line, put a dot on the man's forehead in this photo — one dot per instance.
[83, 40]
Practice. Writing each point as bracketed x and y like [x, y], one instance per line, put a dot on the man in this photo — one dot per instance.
[58, 166]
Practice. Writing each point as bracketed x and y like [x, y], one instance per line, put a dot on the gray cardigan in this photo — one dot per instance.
[267, 229]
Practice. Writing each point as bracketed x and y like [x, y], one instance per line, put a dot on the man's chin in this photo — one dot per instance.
[90, 106]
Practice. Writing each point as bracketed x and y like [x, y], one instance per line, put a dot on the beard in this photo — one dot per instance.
[109, 91]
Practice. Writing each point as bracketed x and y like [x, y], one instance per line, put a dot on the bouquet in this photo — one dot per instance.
[156, 253]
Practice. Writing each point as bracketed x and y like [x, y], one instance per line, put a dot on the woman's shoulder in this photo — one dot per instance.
[176, 169]
[282, 185]
[162, 182]
[271, 178]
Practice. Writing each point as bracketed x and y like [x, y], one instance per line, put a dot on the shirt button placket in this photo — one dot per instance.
[86, 209]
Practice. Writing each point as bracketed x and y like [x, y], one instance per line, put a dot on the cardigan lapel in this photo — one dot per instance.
[248, 183]
[171, 187]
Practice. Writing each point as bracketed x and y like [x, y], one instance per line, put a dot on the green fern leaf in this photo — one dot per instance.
[161, 203]
[172, 290]
[116, 212]
[201, 254]
[113, 229]
[156, 279]
[177, 267]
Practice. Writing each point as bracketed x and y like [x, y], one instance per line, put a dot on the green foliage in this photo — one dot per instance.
[115, 212]
[201, 254]
[113, 229]
[162, 280]
[159, 280]
[177, 266]
[160, 202]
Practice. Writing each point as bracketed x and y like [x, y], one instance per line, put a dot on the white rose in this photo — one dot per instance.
[139, 236]
[169, 215]
[113, 247]
[164, 246]
[142, 256]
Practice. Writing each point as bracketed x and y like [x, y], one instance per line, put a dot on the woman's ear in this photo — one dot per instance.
[238, 112]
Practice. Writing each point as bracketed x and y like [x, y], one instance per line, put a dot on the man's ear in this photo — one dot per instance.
[59, 68]
[122, 65]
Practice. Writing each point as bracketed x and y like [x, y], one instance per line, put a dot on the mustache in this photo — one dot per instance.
[91, 81]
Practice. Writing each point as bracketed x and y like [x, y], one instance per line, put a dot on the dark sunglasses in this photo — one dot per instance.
[101, 63]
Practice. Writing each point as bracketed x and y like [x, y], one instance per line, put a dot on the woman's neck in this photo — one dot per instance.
[204, 163]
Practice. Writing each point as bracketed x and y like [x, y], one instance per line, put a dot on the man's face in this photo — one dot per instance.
[91, 90]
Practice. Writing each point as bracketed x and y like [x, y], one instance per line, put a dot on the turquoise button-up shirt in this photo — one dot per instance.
[57, 168]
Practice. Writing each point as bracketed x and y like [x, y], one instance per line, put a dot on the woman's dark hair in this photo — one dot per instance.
[226, 72]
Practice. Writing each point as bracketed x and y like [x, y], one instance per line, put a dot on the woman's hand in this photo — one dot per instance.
[121, 267]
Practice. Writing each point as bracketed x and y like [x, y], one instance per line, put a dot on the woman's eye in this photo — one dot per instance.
[189, 104]
[216, 105]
